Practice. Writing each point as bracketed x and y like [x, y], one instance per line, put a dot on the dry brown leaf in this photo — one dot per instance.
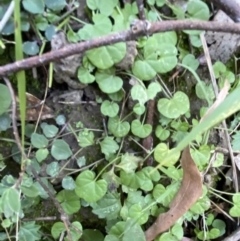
[188, 194]
[220, 98]
[34, 108]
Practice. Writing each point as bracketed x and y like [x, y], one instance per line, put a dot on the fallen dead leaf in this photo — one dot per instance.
[188, 194]
[220, 98]
[34, 108]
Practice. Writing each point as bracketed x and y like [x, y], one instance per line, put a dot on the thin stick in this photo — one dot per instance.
[215, 87]
[154, 27]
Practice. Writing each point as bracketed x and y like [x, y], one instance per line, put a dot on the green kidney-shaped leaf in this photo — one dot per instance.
[140, 130]
[106, 56]
[102, 26]
[60, 150]
[174, 107]
[69, 201]
[163, 155]
[84, 76]
[190, 61]
[161, 133]
[139, 109]
[138, 92]
[198, 10]
[168, 59]
[107, 7]
[136, 213]
[117, 127]
[109, 108]
[166, 37]
[88, 188]
[109, 83]
[5, 98]
[153, 89]
[143, 70]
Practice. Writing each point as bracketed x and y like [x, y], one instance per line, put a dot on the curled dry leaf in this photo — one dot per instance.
[35, 108]
[220, 98]
[188, 194]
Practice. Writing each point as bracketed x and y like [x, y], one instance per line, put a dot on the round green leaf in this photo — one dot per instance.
[5, 122]
[57, 229]
[41, 22]
[30, 48]
[139, 109]
[69, 201]
[143, 70]
[41, 154]
[5, 98]
[166, 37]
[88, 188]
[34, 6]
[52, 169]
[84, 76]
[117, 96]
[190, 61]
[49, 32]
[107, 7]
[10, 202]
[102, 26]
[109, 146]
[31, 191]
[198, 10]
[49, 130]
[168, 59]
[92, 234]
[109, 108]
[164, 156]
[86, 138]
[140, 130]
[106, 56]
[60, 150]
[138, 92]
[68, 183]
[136, 213]
[38, 140]
[55, 5]
[117, 127]
[174, 107]
[161, 133]
[153, 89]
[109, 83]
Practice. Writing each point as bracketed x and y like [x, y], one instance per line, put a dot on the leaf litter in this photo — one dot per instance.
[189, 192]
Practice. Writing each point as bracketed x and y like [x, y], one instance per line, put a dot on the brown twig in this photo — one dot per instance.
[141, 10]
[64, 217]
[123, 36]
[148, 141]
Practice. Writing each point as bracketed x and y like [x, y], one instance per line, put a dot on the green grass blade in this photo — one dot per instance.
[21, 77]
